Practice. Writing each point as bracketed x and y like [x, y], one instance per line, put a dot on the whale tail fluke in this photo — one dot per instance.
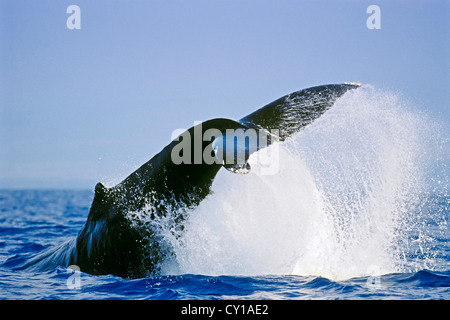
[109, 243]
[293, 112]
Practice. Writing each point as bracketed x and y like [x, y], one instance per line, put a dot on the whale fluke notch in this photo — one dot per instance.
[109, 243]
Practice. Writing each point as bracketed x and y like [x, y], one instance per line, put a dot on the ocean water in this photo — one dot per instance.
[357, 208]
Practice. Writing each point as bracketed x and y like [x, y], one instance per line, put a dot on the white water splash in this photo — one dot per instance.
[343, 204]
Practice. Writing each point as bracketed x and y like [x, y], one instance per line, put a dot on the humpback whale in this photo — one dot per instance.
[111, 242]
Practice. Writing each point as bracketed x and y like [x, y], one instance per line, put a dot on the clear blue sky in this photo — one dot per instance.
[89, 105]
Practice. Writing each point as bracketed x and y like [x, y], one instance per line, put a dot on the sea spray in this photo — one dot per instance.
[345, 202]
[364, 158]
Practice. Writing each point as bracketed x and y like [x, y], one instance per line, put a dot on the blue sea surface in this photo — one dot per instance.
[31, 221]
